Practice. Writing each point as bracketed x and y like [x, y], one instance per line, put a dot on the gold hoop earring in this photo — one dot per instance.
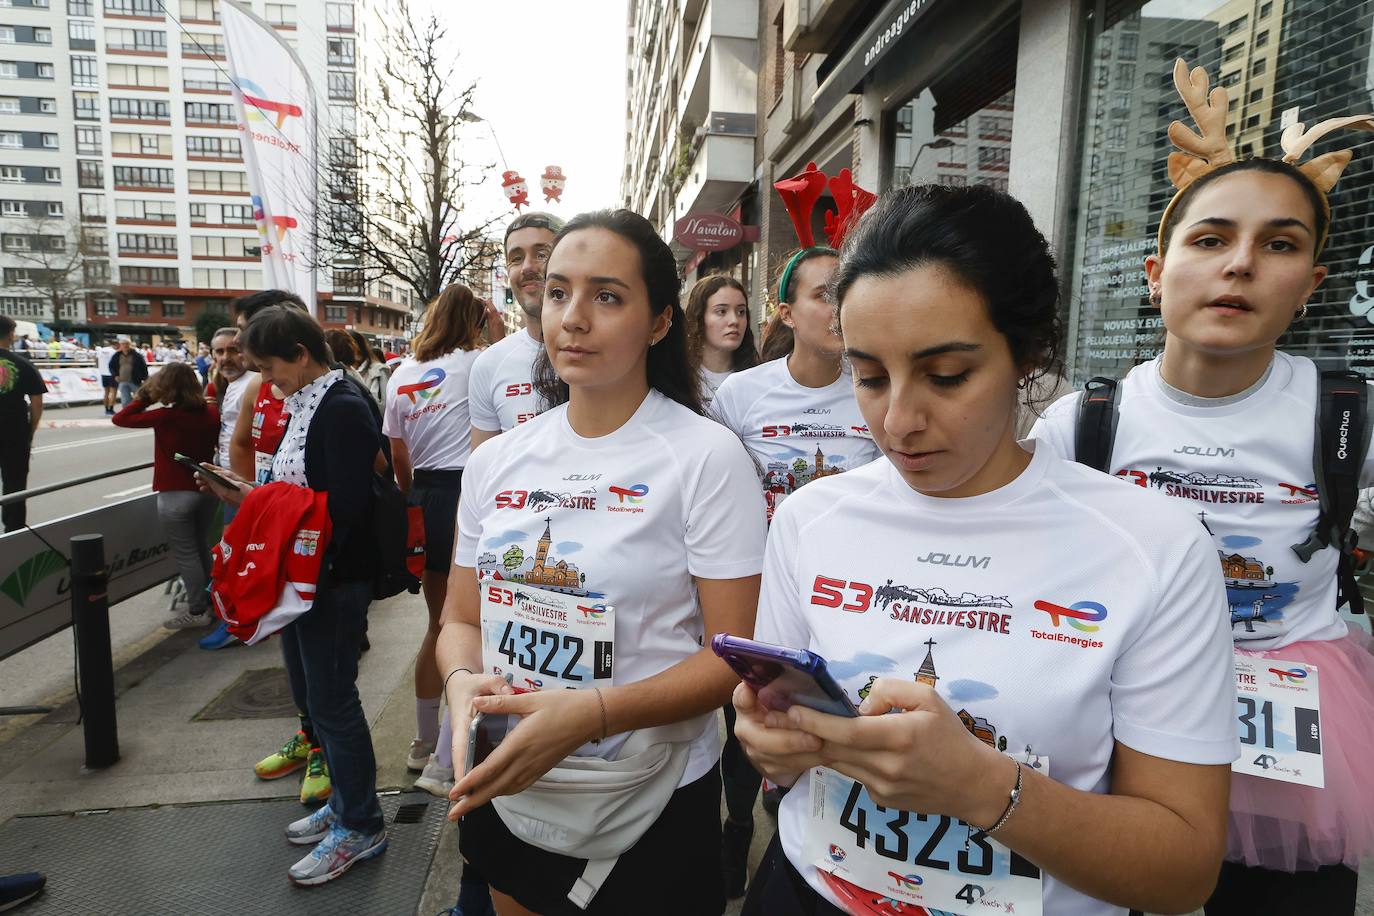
[1302, 314]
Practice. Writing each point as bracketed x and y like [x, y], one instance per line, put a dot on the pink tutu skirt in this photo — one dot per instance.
[1287, 827]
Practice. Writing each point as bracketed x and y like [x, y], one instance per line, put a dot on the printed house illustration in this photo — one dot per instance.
[544, 571]
[1244, 572]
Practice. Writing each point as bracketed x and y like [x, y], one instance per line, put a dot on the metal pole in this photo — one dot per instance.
[95, 662]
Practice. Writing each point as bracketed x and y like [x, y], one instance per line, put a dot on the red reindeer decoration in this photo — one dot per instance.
[801, 192]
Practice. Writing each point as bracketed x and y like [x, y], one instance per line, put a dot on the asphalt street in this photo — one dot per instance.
[76, 441]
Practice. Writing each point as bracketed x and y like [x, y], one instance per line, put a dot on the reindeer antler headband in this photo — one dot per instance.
[799, 195]
[1209, 150]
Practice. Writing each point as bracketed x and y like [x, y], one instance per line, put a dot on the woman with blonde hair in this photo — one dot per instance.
[172, 404]
[426, 418]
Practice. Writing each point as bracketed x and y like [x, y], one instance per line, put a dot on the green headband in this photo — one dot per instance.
[792, 263]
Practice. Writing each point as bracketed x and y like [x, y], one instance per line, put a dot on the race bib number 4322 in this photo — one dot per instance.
[1278, 713]
[544, 639]
[874, 855]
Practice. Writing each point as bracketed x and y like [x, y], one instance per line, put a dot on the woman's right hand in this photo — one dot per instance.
[460, 690]
[777, 750]
[235, 496]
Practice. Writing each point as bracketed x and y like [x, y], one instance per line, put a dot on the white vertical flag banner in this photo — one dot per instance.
[275, 103]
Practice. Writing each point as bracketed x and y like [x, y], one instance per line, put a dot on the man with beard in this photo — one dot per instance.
[500, 390]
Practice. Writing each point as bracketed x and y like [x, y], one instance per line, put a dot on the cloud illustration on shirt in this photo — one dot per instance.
[861, 665]
[505, 537]
[966, 691]
[1240, 541]
[567, 547]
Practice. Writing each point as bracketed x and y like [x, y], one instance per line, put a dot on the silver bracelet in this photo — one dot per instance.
[1011, 804]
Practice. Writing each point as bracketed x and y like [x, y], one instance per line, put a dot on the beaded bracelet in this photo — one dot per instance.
[1011, 805]
[602, 702]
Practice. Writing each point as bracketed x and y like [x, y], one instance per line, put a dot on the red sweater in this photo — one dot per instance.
[194, 433]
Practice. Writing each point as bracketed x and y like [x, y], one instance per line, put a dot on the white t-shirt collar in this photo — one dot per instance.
[1024, 484]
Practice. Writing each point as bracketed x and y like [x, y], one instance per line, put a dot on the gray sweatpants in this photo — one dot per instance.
[186, 517]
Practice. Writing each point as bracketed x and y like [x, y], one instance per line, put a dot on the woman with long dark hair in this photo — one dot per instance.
[427, 420]
[172, 403]
[1037, 729]
[720, 339]
[614, 533]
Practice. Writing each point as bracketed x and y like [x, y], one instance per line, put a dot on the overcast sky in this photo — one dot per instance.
[551, 83]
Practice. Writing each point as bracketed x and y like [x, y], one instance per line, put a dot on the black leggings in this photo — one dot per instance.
[1249, 891]
[737, 775]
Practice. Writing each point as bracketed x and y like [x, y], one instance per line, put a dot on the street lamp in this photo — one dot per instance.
[937, 143]
[473, 117]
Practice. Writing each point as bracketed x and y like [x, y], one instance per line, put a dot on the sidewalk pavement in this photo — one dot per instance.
[167, 757]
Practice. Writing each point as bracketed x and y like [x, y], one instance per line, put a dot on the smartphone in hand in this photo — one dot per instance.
[195, 466]
[485, 733]
[781, 676]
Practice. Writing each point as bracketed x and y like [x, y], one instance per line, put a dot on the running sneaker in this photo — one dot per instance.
[15, 889]
[313, 827]
[435, 780]
[186, 620]
[336, 854]
[315, 787]
[293, 755]
[218, 638]
[420, 752]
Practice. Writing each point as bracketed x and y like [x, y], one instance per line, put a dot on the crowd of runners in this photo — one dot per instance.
[1077, 692]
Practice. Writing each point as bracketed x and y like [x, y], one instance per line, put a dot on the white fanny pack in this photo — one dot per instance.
[596, 809]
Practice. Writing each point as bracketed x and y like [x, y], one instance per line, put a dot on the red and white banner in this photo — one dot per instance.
[276, 108]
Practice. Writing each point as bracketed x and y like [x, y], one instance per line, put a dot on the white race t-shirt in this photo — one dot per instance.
[710, 384]
[631, 517]
[501, 389]
[1245, 469]
[883, 581]
[103, 355]
[796, 434]
[427, 406]
[229, 406]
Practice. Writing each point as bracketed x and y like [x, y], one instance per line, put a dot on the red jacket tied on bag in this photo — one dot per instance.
[267, 563]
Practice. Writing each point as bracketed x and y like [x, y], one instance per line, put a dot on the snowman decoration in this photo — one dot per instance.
[552, 182]
[515, 189]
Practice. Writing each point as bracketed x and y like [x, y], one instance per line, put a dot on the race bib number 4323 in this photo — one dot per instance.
[1278, 714]
[866, 852]
[545, 639]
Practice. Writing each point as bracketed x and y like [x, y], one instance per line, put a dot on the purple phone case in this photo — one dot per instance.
[804, 678]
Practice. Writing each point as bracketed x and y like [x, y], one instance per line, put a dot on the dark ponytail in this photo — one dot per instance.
[668, 368]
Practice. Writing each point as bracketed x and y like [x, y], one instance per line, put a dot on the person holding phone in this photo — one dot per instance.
[1061, 701]
[172, 403]
[426, 418]
[600, 544]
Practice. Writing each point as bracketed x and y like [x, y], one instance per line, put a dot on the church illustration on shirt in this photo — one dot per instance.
[977, 726]
[542, 569]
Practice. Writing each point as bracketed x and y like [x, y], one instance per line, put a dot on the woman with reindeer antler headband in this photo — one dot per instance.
[1226, 422]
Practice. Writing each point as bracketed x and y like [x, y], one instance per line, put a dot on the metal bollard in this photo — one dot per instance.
[94, 659]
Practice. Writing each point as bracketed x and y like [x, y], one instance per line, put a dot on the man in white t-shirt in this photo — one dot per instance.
[501, 388]
[103, 354]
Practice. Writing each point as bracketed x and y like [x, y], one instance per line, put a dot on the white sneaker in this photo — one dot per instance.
[435, 780]
[188, 620]
[420, 752]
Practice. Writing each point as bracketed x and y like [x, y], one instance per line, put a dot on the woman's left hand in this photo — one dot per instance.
[918, 759]
[553, 724]
[235, 496]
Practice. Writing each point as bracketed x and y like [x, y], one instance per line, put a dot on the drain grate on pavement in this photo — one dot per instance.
[260, 693]
[213, 859]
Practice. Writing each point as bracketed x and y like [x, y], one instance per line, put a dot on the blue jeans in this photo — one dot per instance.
[126, 393]
[321, 652]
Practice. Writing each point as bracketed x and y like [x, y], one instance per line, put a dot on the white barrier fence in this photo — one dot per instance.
[75, 386]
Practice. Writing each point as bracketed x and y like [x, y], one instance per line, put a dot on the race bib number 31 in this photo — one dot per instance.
[1278, 712]
[545, 639]
[898, 859]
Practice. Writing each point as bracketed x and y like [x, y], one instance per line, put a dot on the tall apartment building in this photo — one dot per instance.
[690, 111]
[120, 154]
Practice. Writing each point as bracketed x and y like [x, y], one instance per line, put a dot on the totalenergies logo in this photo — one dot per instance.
[910, 882]
[634, 494]
[593, 612]
[280, 225]
[1081, 615]
[257, 107]
[1290, 676]
[427, 387]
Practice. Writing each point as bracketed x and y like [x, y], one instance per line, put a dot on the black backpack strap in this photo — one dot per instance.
[1095, 432]
[1340, 446]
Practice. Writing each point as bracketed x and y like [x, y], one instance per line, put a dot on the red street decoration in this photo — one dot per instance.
[800, 193]
[516, 190]
[852, 200]
[552, 182]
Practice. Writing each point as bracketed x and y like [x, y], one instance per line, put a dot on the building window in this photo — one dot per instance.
[203, 79]
[214, 246]
[220, 182]
[92, 207]
[280, 13]
[338, 17]
[87, 106]
[54, 208]
[336, 313]
[217, 278]
[88, 141]
[131, 176]
[200, 10]
[214, 148]
[1262, 39]
[140, 110]
[341, 87]
[172, 309]
[340, 52]
[138, 308]
[1265, 10]
[49, 141]
[84, 71]
[209, 113]
[106, 308]
[148, 276]
[146, 9]
[153, 211]
[80, 7]
[141, 40]
[131, 243]
[90, 173]
[136, 75]
[1259, 67]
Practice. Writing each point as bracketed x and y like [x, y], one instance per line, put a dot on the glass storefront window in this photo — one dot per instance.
[1295, 60]
[975, 150]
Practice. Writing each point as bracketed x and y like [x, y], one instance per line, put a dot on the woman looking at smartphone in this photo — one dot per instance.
[1062, 731]
[620, 519]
